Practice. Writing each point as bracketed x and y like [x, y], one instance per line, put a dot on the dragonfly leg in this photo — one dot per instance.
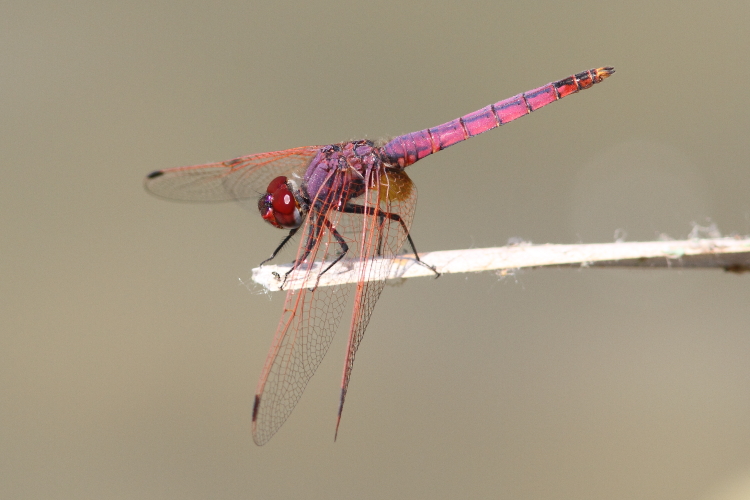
[359, 209]
[342, 242]
[281, 245]
[344, 251]
[310, 244]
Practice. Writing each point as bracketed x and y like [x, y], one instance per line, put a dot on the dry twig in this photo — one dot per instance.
[730, 254]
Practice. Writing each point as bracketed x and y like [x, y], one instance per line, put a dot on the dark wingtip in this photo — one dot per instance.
[341, 409]
[154, 174]
[256, 405]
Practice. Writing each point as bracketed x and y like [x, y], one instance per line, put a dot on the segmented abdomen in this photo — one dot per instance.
[407, 149]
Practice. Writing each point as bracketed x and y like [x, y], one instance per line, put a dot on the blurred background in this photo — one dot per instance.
[131, 340]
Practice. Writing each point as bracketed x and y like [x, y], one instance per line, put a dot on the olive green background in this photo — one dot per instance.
[131, 339]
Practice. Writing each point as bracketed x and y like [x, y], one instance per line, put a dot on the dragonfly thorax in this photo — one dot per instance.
[282, 205]
[338, 173]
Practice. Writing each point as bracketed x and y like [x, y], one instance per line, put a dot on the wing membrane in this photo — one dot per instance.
[311, 317]
[237, 179]
[382, 237]
[304, 334]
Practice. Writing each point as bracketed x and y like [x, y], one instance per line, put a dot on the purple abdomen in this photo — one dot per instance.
[407, 149]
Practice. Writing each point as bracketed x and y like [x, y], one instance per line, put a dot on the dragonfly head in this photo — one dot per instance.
[280, 205]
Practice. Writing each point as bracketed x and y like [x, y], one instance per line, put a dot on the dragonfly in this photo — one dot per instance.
[350, 202]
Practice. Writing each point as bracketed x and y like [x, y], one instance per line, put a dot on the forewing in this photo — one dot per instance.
[237, 179]
[311, 317]
[304, 333]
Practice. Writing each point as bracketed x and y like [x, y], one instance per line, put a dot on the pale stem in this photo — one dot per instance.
[731, 254]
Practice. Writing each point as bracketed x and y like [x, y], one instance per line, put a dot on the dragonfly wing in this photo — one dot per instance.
[237, 179]
[304, 334]
[311, 317]
[383, 234]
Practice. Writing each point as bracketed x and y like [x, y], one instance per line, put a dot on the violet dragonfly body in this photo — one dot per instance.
[349, 201]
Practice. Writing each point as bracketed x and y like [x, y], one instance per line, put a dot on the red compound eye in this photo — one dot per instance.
[278, 206]
[276, 184]
[283, 201]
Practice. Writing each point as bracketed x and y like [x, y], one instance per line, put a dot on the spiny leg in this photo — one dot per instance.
[310, 244]
[315, 228]
[281, 245]
[359, 209]
[342, 242]
[312, 236]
